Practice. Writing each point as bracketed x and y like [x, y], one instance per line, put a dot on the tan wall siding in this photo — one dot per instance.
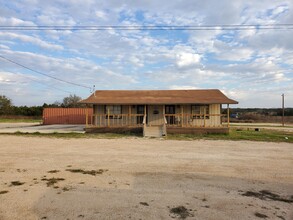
[103, 121]
[212, 121]
[155, 119]
[215, 109]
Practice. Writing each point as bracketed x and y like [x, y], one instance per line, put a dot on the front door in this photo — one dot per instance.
[170, 109]
[139, 110]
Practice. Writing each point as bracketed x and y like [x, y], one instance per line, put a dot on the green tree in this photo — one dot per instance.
[5, 105]
[72, 101]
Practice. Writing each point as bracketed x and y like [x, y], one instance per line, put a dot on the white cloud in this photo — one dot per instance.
[14, 22]
[178, 87]
[30, 39]
[4, 47]
[235, 54]
[187, 59]
[101, 14]
[279, 10]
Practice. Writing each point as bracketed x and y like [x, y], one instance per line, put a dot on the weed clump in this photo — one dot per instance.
[181, 211]
[53, 171]
[89, 172]
[16, 183]
[259, 215]
[52, 181]
[267, 195]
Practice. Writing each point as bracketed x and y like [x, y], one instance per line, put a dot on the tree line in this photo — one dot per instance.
[7, 107]
[72, 101]
[262, 111]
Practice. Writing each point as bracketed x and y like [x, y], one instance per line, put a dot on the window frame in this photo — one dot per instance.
[113, 111]
[200, 111]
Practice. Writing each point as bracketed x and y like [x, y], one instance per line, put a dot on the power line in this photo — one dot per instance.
[49, 86]
[149, 27]
[38, 72]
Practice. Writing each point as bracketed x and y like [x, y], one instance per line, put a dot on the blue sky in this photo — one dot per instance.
[251, 66]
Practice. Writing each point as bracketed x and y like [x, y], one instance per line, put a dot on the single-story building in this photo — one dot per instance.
[158, 112]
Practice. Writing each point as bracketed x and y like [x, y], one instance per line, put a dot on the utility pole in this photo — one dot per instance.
[283, 110]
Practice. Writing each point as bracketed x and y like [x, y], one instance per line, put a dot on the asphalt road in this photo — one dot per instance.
[37, 127]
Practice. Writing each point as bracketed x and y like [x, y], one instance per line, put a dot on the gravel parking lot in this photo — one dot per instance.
[136, 178]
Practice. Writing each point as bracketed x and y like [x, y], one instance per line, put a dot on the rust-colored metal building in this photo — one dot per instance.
[65, 115]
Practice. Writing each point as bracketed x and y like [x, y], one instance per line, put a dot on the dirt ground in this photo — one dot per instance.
[137, 178]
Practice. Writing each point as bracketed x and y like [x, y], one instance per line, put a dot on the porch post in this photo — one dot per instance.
[228, 115]
[164, 113]
[204, 116]
[108, 121]
[182, 115]
[86, 117]
[145, 115]
[129, 115]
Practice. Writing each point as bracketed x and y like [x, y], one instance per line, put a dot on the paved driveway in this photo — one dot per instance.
[36, 127]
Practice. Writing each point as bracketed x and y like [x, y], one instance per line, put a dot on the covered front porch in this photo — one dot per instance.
[184, 116]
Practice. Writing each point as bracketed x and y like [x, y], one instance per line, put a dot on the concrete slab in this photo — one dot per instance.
[36, 127]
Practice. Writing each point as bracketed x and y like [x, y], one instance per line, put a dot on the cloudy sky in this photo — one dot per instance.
[253, 66]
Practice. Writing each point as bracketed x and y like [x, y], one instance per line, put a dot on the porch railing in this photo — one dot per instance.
[116, 120]
[195, 120]
[168, 120]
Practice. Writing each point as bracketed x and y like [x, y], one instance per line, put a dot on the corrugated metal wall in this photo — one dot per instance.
[65, 115]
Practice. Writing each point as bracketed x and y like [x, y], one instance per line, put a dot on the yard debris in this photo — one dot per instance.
[257, 214]
[3, 192]
[21, 170]
[267, 195]
[53, 171]
[181, 212]
[52, 181]
[66, 188]
[16, 183]
[90, 172]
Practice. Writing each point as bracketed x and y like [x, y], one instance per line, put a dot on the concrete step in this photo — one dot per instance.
[153, 131]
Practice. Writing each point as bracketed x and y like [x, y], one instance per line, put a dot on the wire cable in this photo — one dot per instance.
[37, 81]
[38, 72]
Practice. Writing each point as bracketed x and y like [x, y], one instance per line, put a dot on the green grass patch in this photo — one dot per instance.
[260, 125]
[19, 120]
[238, 134]
[234, 135]
[74, 135]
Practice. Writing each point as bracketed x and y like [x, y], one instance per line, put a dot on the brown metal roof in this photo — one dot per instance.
[206, 96]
